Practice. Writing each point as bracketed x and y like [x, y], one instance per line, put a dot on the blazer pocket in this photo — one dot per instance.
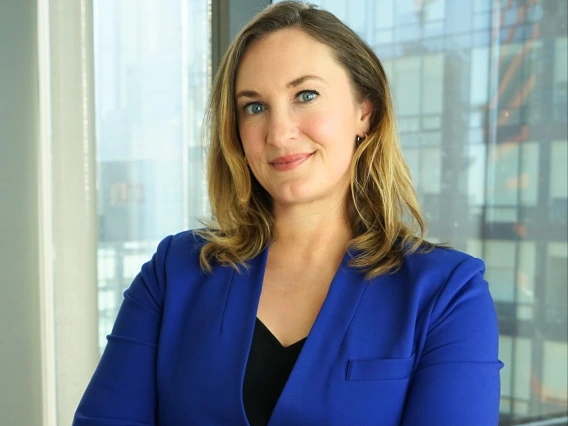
[379, 369]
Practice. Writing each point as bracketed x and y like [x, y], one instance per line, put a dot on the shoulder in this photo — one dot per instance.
[444, 278]
[441, 263]
[180, 250]
[427, 280]
[183, 243]
[175, 269]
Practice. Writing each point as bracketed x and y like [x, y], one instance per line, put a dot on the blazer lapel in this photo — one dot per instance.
[237, 325]
[321, 348]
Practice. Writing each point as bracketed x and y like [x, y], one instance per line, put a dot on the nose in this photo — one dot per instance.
[281, 128]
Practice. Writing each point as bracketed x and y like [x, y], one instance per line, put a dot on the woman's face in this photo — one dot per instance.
[298, 118]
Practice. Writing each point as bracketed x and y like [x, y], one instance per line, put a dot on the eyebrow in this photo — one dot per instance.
[294, 83]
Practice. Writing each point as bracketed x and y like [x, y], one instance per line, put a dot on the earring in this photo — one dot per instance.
[360, 139]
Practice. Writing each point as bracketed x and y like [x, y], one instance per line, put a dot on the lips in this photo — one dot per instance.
[289, 158]
[288, 162]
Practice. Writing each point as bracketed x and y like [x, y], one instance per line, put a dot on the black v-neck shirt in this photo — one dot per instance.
[268, 368]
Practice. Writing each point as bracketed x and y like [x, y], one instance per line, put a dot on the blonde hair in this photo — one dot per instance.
[382, 208]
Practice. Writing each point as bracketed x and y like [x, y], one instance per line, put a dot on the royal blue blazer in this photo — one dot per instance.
[417, 347]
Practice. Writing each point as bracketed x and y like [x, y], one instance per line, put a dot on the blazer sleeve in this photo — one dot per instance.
[122, 391]
[457, 379]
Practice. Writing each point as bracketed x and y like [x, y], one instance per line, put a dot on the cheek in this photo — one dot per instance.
[334, 133]
[252, 140]
[328, 126]
[316, 125]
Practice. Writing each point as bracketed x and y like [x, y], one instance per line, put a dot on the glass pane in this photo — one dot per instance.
[553, 388]
[558, 170]
[522, 376]
[500, 262]
[406, 85]
[152, 73]
[432, 84]
[527, 181]
[384, 14]
[481, 93]
[505, 169]
[506, 355]
[560, 78]
[526, 272]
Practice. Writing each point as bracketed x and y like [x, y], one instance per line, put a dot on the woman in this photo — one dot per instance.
[309, 301]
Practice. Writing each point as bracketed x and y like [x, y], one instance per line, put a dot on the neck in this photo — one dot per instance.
[316, 231]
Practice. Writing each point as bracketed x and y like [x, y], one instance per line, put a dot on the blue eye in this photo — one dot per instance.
[254, 108]
[308, 95]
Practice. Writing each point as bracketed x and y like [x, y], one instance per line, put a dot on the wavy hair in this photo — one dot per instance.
[381, 208]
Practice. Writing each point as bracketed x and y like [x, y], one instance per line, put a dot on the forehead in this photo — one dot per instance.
[285, 55]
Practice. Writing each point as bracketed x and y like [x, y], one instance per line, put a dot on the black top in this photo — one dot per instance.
[268, 368]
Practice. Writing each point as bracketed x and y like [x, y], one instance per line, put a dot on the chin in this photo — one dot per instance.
[291, 196]
[297, 197]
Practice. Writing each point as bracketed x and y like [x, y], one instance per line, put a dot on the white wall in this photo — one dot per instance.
[20, 342]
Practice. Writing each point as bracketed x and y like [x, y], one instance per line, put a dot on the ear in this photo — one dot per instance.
[364, 117]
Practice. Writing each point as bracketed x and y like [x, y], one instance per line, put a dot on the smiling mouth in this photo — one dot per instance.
[290, 161]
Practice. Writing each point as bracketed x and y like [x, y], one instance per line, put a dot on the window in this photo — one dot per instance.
[483, 126]
[152, 76]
